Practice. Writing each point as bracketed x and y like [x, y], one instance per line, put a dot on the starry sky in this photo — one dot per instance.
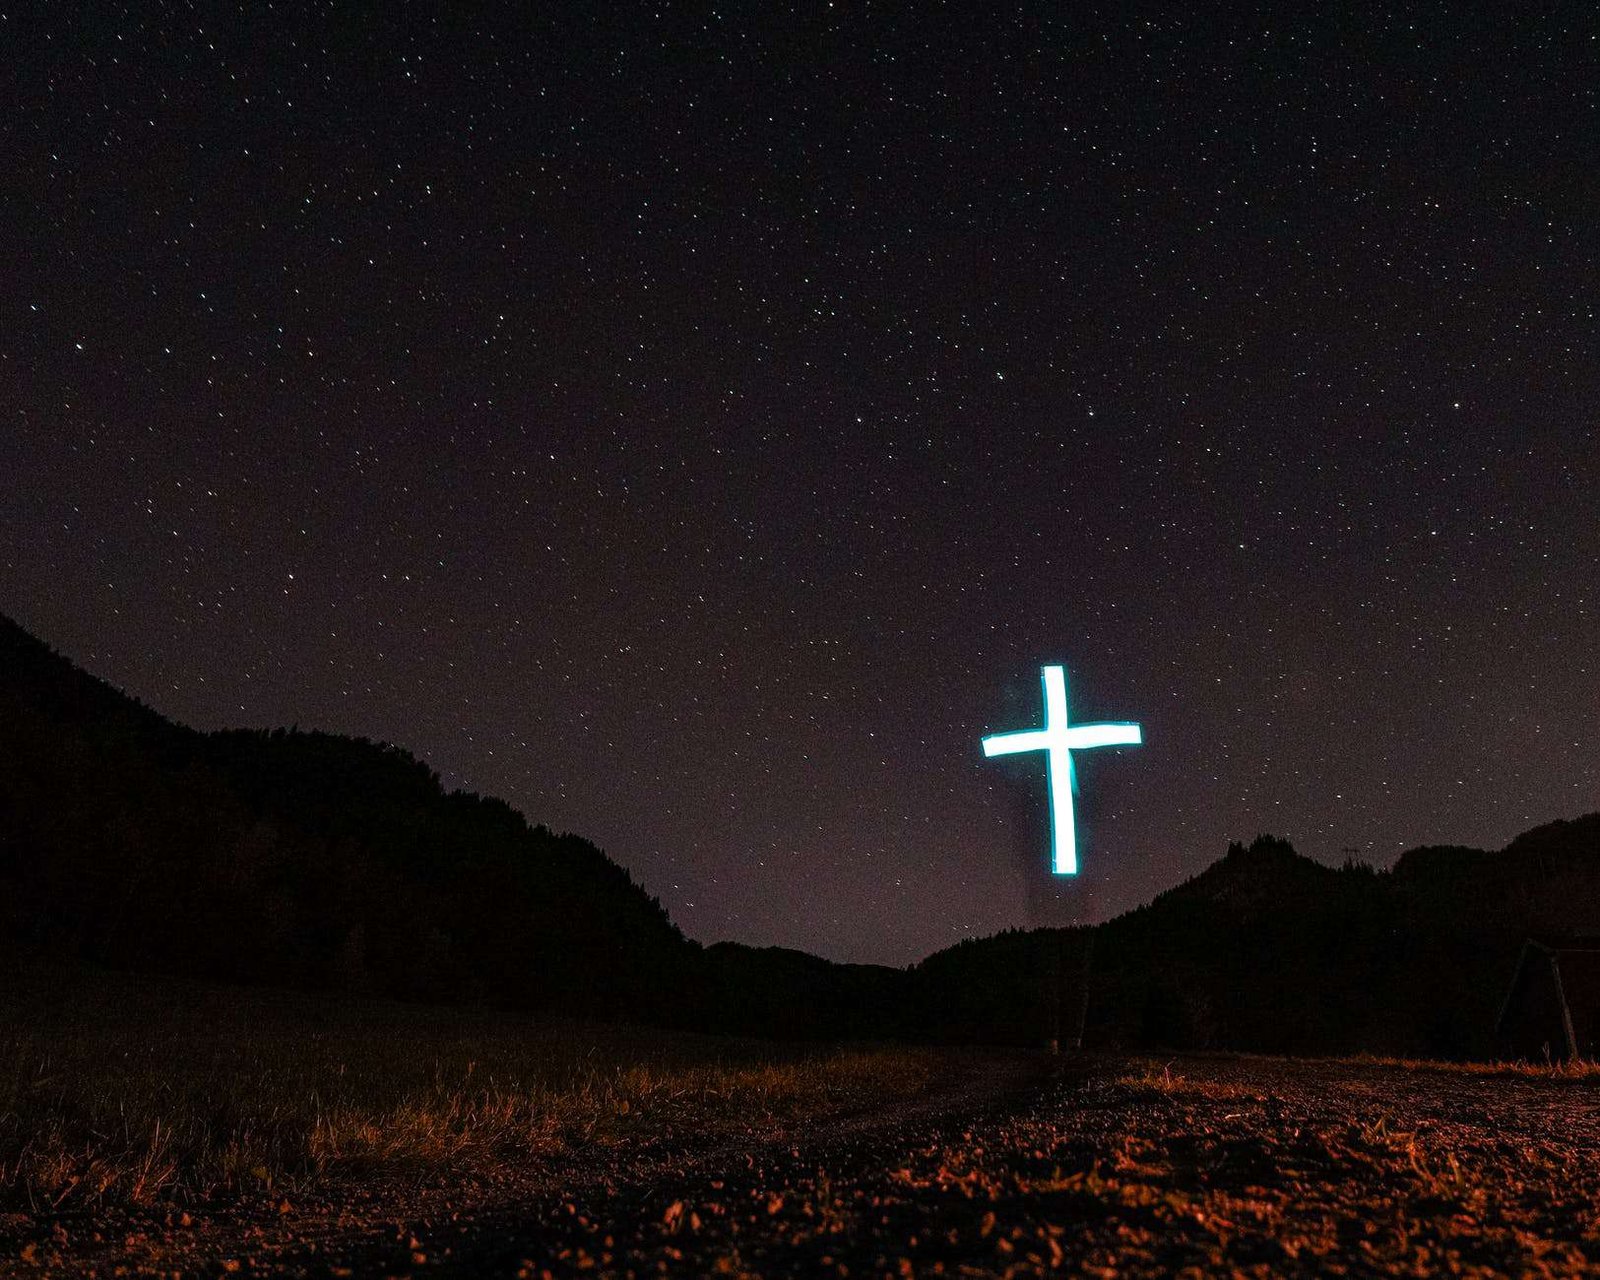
[697, 425]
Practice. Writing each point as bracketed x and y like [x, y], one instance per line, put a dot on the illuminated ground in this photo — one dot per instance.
[1109, 1166]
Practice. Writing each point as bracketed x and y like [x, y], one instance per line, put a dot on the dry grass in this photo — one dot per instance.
[1573, 1070]
[1152, 1079]
[122, 1090]
[1576, 1070]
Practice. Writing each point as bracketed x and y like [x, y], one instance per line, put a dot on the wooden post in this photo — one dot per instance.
[1083, 994]
[1053, 992]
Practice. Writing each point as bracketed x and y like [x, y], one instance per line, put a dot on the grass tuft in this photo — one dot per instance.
[1150, 1079]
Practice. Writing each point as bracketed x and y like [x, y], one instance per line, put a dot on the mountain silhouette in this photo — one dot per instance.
[1270, 951]
[305, 859]
[314, 860]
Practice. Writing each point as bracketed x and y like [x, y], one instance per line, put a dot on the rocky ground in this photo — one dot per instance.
[1009, 1165]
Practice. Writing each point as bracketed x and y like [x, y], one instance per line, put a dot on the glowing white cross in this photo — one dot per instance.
[1059, 742]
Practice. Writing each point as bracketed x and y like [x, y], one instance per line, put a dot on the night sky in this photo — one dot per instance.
[698, 426]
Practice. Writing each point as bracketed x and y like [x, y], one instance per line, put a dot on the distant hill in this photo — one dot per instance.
[299, 858]
[312, 860]
[1270, 951]
[786, 994]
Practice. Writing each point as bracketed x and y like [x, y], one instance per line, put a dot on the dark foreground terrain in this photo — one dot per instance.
[994, 1165]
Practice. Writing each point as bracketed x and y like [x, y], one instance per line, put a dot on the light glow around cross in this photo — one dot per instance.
[1058, 740]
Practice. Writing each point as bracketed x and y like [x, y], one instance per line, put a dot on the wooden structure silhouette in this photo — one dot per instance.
[1552, 1011]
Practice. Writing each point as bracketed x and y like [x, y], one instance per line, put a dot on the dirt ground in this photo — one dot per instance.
[1010, 1165]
